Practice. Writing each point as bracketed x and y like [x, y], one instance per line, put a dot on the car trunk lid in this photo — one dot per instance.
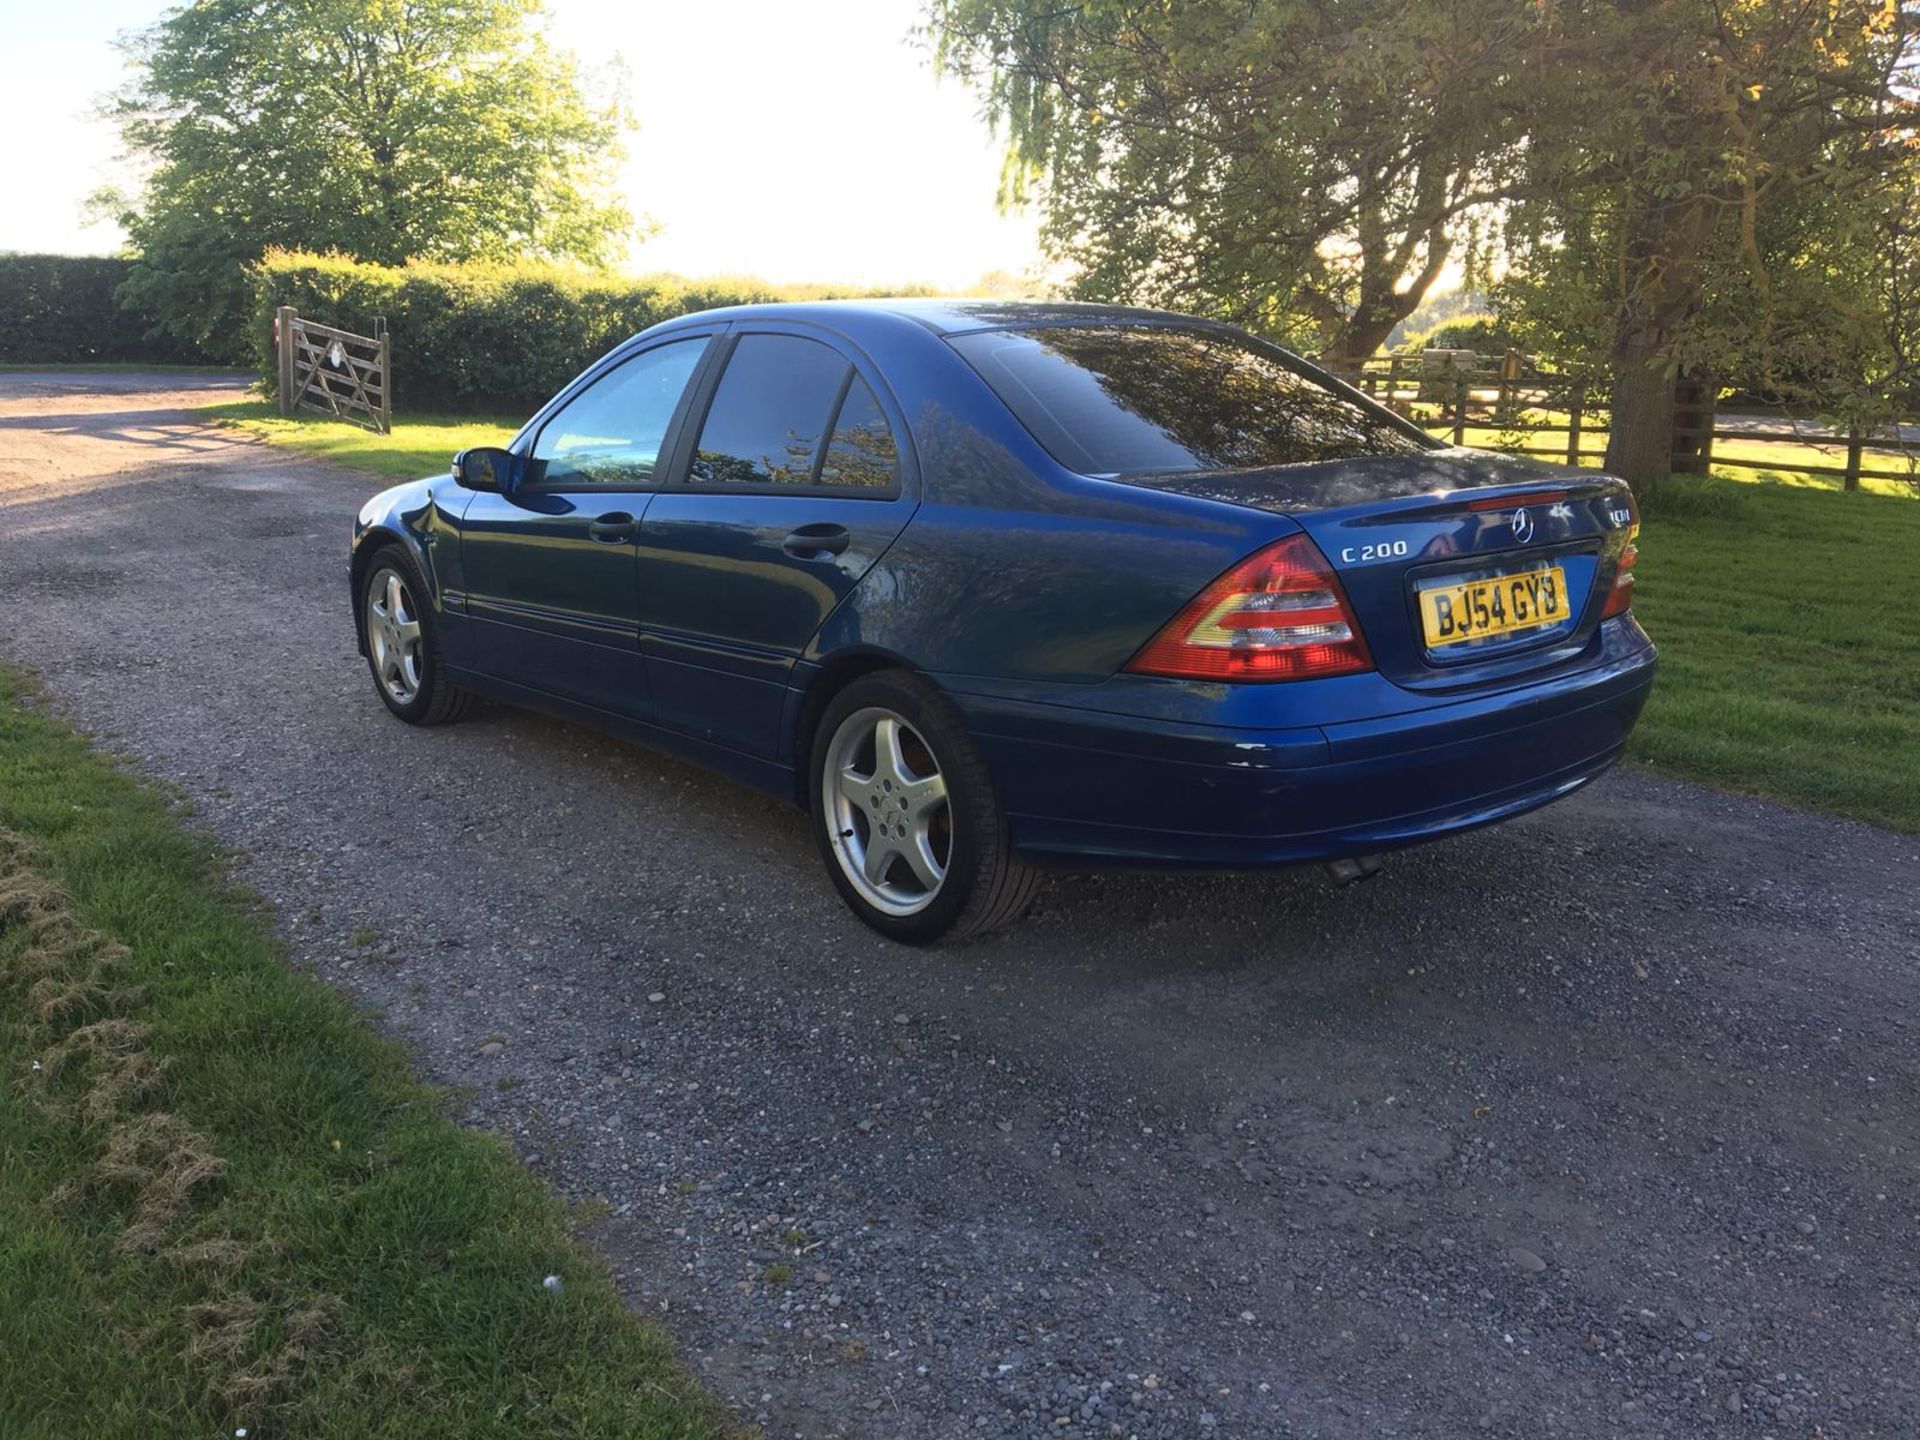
[1464, 568]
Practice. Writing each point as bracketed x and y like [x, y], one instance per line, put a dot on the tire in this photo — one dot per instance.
[416, 688]
[923, 809]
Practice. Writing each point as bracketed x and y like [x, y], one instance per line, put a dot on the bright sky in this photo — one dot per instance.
[793, 142]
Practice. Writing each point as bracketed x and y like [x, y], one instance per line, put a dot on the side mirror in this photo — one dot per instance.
[487, 467]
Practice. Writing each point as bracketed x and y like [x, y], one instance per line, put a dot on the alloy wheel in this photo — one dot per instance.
[887, 806]
[393, 635]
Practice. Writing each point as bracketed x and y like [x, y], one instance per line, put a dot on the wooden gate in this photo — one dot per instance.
[334, 372]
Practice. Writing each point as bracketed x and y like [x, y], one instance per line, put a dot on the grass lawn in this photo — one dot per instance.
[418, 445]
[1783, 608]
[1789, 646]
[223, 1201]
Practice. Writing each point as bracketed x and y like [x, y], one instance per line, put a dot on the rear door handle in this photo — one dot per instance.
[612, 528]
[817, 542]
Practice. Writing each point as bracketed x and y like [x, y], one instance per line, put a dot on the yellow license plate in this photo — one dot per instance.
[1476, 609]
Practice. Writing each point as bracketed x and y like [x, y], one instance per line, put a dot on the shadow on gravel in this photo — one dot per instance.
[163, 430]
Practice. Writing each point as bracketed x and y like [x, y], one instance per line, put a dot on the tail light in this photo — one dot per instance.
[1621, 599]
[1280, 614]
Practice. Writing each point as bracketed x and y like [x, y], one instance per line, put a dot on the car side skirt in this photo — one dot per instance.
[762, 774]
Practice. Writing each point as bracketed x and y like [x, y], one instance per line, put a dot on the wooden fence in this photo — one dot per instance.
[1501, 402]
[334, 372]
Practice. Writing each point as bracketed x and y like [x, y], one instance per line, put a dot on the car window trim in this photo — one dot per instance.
[847, 378]
[680, 477]
[529, 438]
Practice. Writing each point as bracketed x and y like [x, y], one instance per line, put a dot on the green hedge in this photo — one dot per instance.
[62, 310]
[485, 337]
[1482, 334]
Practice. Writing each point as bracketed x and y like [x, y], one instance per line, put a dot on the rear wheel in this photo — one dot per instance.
[403, 647]
[906, 817]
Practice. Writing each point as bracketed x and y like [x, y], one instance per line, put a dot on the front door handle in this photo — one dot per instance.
[613, 528]
[817, 542]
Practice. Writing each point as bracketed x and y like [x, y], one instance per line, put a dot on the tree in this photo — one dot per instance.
[1309, 167]
[388, 129]
[1825, 322]
[1720, 145]
[1660, 170]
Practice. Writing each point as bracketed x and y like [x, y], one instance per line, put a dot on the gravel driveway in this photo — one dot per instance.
[1604, 1122]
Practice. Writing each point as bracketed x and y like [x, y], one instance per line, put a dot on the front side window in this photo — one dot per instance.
[611, 432]
[792, 411]
[1116, 400]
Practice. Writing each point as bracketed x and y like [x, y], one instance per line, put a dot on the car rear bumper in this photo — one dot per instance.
[1094, 787]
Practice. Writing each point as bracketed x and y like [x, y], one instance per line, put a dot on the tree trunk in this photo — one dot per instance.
[1364, 332]
[1361, 333]
[1663, 294]
[1640, 432]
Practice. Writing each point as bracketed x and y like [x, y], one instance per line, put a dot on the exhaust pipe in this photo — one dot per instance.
[1352, 871]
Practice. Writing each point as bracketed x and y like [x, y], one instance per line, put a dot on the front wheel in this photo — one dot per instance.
[403, 648]
[906, 817]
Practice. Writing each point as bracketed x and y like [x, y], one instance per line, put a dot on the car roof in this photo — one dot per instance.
[948, 316]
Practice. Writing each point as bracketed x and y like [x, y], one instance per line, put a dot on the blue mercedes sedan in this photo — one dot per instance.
[991, 587]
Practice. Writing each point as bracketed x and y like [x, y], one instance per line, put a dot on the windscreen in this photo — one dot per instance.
[1111, 400]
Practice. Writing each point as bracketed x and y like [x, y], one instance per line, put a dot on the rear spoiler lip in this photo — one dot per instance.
[1400, 485]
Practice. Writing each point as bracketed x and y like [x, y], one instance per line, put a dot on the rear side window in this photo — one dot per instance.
[791, 411]
[1114, 400]
[862, 451]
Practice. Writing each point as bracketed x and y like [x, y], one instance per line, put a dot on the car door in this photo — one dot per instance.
[549, 569]
[794, 481]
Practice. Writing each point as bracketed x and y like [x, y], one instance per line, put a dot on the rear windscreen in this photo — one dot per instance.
[1113, 399]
